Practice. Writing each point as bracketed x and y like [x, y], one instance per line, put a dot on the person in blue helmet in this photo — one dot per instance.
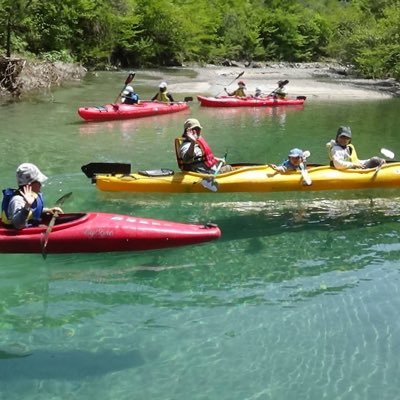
[24, 207]
[295, 160]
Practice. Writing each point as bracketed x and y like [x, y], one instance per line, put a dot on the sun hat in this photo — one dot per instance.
[192, 123]
[296, 153]
[241, 83]
[129, 88]
[344, 131]
[163, 85]
[28, 173]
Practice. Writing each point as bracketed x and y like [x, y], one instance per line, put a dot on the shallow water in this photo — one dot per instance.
[299, 298]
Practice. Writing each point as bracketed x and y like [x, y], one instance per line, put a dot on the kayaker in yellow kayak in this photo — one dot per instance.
[162, 94]
[343, 155]
[195, 153]
[24, 207]
[239, 92]
[295, 158]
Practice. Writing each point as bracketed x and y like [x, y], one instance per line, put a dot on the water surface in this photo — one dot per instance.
[299, 298]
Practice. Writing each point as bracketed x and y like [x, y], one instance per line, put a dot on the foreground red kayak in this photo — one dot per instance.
[125, 111]
[229, 101]
[100, 232]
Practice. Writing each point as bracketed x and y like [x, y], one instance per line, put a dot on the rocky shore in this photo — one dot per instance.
[322, 81]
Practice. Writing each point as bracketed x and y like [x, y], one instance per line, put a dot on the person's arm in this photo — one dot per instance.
[154, 98]
[189, 150]
[278, 168]
[229, 94]
[339, 156]
[171, 99]
[18, 210]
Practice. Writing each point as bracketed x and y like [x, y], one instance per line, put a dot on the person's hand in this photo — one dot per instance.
[273, 166]
[191, 135]
[358, 165]
[29, 196]
[54, 210]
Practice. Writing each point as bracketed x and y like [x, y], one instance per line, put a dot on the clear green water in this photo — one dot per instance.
[298, 300]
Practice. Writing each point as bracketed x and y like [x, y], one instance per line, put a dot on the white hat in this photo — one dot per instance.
[28, 173]
[163, 85]
[129, 88]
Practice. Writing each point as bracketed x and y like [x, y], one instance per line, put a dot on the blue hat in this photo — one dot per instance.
[296, 153]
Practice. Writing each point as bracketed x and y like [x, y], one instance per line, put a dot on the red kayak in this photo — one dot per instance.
[125, 111]
[100, 232]
[229, 101]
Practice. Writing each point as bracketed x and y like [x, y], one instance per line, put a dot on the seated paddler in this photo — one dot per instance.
[295, 161]
[129, 96]
[24, 207]
[343, 154]
[195, 153]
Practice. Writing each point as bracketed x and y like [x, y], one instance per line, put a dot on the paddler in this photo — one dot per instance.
[239, 92]
[281, 91]
[24, 207]
[343, 155]
[162, 94]
[293, 162]
[129, 96]
[196, 153]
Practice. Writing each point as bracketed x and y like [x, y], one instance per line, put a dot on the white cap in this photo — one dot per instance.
[28, 173]
[129, 88]
[163, 85]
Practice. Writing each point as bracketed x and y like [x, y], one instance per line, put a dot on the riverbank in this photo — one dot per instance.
[322, 81]
[19, 76]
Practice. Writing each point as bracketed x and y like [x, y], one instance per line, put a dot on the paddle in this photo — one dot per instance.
[45, 238]
[92, 169]
[284, 83]
[230, 83]
[388, 154]
[128, 80]
[209, 183]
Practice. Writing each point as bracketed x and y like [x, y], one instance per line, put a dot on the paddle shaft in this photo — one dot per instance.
[46, 236]
[304, 173]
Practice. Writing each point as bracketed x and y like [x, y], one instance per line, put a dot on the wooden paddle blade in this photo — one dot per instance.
[188, 98]
[301, 98]
[130, 78]
[91, 169]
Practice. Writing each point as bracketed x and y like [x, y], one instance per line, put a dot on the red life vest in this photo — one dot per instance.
[208, 156]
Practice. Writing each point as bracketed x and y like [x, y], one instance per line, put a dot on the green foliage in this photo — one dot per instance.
[364, 33]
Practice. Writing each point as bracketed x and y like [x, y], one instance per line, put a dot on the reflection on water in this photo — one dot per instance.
[131, 126]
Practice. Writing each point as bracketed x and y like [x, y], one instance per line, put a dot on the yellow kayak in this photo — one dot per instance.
[244, 178]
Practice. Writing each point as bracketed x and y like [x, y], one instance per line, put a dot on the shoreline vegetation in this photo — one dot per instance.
[323, 80]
